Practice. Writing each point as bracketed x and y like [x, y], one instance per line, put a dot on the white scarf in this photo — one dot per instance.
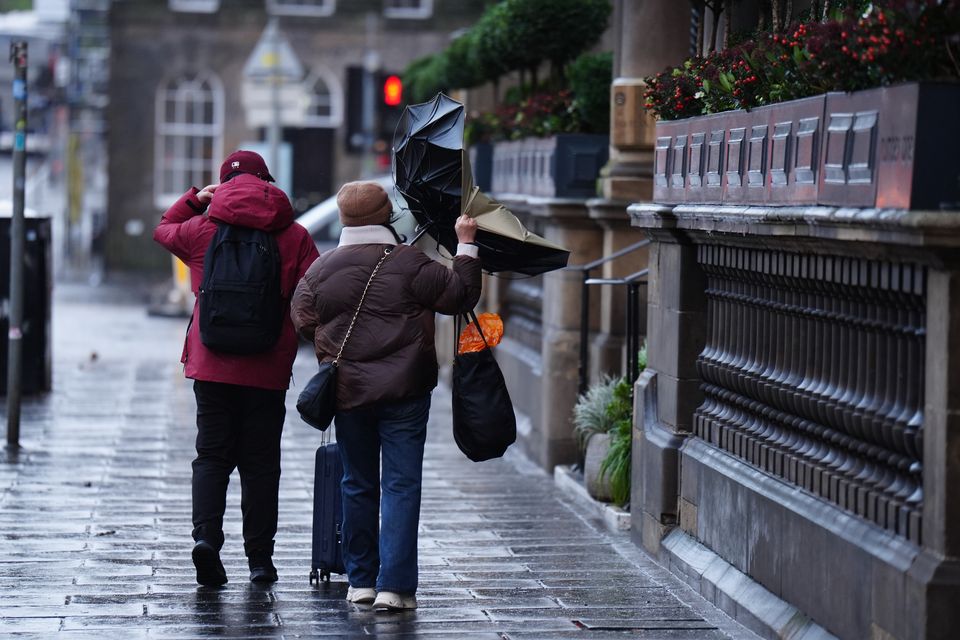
[366, 234]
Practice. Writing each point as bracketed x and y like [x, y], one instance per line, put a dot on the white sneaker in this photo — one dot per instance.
[390, 601]
[361, 595]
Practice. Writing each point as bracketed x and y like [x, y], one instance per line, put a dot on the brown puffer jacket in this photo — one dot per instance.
[391, 353]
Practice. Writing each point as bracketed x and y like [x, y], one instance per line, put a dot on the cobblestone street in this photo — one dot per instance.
[95, 521]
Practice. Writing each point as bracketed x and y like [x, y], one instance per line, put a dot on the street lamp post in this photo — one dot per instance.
[273, 131]
[18, 56]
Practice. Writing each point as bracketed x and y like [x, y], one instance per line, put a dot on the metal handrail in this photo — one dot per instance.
[610, 258]
[632, 291]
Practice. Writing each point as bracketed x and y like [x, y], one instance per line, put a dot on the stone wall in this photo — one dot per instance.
[795, 414]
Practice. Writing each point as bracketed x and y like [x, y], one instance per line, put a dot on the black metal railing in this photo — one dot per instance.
[634, 314]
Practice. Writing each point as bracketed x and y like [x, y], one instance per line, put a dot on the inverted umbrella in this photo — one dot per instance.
[432, 172]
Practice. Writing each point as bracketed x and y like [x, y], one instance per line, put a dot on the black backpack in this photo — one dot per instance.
[241, 306]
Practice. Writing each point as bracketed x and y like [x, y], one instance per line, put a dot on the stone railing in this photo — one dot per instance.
[813, 372]
[797, 417]
[880, 147]
[561, 166]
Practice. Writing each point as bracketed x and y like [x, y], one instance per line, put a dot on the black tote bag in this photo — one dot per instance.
[484, 424]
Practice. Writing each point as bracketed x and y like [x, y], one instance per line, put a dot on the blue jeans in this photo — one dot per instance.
[399, 430]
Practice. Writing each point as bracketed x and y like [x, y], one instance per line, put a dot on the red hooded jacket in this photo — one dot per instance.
[186, 233]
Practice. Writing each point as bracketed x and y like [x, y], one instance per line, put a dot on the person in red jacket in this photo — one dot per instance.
[240, 398]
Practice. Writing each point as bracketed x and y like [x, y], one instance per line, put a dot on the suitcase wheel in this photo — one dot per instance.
[325, 576]
[313, 576]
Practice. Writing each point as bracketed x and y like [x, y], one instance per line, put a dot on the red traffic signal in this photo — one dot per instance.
[392, 91]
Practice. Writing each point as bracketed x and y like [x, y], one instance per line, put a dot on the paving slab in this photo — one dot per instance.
[95, 520]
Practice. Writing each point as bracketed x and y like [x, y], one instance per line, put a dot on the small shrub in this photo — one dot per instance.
[590, 414]
[590, 77]
[616, 466]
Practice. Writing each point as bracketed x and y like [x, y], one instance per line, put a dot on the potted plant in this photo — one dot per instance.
[817, 113]
[592, 422]
[603, 424]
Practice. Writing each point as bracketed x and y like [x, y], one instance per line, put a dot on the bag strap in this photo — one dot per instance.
[336, 361]
[471, 315]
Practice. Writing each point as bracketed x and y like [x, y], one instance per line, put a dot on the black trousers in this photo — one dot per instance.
[238, 427]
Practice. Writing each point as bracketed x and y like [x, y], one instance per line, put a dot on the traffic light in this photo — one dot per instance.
[392, 91]
[391, 105]
[384, 90]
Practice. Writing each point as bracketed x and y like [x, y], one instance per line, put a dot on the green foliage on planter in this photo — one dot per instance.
[590, 77]
[616, 466]
[892, 41]
[591, 414]
[512, 35]
[619, 410]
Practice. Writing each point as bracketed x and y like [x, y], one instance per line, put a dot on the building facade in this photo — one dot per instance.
[182, 97]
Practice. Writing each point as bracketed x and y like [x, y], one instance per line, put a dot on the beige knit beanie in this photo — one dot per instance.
[363, 203]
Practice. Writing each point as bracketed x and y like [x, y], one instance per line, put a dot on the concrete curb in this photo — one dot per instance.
[734, 592]
[615, 519]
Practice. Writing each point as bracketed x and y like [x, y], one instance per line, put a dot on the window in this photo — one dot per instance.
[195, 6]
[408, 8]
[301, 7]
[189, 135]
[326, 100]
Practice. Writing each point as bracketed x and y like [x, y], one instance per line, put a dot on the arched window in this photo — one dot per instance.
[189, 135]
[326, 99]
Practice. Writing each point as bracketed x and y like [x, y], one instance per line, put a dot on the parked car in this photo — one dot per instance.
[323, 220]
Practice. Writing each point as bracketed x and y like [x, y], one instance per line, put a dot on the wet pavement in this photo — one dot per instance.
[95, 521]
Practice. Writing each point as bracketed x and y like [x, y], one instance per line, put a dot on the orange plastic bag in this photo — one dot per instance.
[470, 340]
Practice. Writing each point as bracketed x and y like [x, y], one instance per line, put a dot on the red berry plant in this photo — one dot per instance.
[893, 41]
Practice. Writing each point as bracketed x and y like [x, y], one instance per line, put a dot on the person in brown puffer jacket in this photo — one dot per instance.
[386, 374]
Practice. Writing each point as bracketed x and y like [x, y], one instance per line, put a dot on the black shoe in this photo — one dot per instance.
[206, 559]
[261, 568]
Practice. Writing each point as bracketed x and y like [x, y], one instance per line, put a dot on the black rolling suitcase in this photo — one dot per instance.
[327, 514]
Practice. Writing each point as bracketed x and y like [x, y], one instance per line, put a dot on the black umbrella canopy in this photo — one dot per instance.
[432, 171]
[427, 167]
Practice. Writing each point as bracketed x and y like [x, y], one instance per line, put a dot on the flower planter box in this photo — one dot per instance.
[562, 166]
[481, 161]
[891, 147]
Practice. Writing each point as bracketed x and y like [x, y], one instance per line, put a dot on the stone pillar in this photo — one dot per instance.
[668, 392]
[606, 352]
[933, 582]
[651, 35]
[566, 223]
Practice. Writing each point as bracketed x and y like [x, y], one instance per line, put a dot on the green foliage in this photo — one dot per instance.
[461, 70]
[616, 465]
[862, 45]
[490, 51]
[607, 407]
[425, 77]
[15, 5]
[590, 414]
[590, 77]
[572, 27]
